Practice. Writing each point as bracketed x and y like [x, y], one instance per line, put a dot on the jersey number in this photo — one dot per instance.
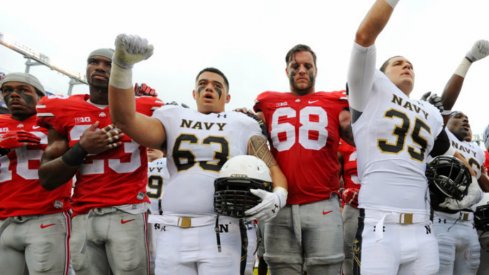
[312, 132]
[185, 159]
[97, 166]
[24, 158]
[401, 131]
[155, 186]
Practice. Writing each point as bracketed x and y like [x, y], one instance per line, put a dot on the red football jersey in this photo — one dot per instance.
[304, 132]
[349, 154]
[486, 162]
[114, 177]
[20, 191]
[350, 176]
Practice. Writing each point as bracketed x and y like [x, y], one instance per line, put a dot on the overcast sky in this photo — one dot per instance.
[248, 40]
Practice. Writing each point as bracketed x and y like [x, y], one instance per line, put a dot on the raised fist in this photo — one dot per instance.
[144, 90]
[131, 49]
[15, 139]
[434, 100]
[479, 50]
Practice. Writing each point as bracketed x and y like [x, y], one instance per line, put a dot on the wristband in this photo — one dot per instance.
[75, 155]
[463, 68]
[120, 77]
[392, 3]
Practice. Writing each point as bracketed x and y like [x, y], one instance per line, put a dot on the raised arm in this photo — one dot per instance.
[145, 130]
[479, 50]
[375, 21]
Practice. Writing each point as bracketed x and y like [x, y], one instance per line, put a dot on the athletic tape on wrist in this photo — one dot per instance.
[120, 77]
[463, 68]
[75, 155]
[392, 3]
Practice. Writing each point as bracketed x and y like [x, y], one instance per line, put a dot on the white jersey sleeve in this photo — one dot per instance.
[197, 147]
[361, 76]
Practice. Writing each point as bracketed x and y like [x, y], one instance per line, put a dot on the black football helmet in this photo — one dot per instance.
[448, 177]
[232, 196]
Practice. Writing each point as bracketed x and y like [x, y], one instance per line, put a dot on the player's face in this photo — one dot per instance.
[301, 72]
[459, 125]
[98, 71]
[20, 98]
[211, 93]
[401, 72]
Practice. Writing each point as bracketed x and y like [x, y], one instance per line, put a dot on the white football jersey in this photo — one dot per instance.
[394, 136]
[158, 176]
[197, 146]
[470, 150]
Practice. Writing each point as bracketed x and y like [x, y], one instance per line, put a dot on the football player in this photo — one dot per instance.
[460, 251]
[110, 232]
[304, 128]
[394, 135]
[198, 143]
[34, 222]
[351, 187]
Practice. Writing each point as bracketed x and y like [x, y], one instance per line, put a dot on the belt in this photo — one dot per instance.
[390, 217]
[182, 221]
[461, 215]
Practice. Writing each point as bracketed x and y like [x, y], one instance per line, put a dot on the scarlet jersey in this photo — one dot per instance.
[349, 153]
[114, 177]
[486, 163]
[304, 131]
[20, 191]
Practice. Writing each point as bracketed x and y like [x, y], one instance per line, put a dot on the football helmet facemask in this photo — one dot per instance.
[448, 177]
[232, 196]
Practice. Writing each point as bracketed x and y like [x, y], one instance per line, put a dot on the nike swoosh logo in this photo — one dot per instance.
[36, 127]
[312, 101]
[46, 225]
[327, 212]
[126, 221]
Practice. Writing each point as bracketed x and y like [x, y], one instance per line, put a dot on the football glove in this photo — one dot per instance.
[479, 50]
[15, 139]
[131, 49]
[268, 208]
[434, 100]
[144, 90]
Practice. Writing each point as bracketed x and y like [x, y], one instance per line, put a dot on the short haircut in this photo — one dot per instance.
[299, 48]
[386, 63]
[216, 71]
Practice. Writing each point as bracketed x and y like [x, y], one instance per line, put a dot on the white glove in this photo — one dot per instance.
[131, 49]
[434, 100]
[474, 195]
[479, 50]
[268, 208]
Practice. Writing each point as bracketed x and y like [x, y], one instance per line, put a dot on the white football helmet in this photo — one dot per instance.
[232, 196]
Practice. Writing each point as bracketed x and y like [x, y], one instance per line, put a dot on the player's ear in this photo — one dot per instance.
[228, 98]
[194, 94]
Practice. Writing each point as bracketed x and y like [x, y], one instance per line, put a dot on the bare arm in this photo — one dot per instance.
[53, 171]
[479, 50]
[373, 24]
[59, 162]
[345, 127]
[257, 146]
[144, 130]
